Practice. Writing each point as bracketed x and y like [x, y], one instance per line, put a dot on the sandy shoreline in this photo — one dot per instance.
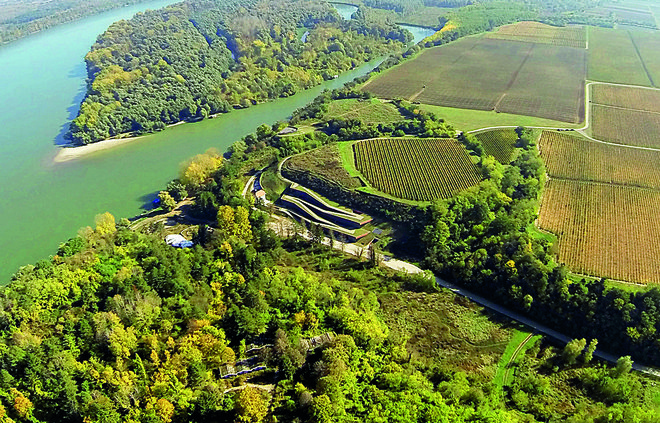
[66, 154]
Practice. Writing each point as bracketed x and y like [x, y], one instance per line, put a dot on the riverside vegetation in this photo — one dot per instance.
[199, 58]
[120, 327]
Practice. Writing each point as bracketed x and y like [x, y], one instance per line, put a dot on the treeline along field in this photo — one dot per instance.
[416, 169]
[487, 74]
[626, 115]
[601, 202]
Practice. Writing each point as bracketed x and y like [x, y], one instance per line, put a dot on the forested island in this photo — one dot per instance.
[199, 58]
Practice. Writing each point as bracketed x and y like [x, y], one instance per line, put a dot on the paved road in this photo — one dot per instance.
[587, 119]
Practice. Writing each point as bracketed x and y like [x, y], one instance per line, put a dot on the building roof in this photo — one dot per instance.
[260, 193]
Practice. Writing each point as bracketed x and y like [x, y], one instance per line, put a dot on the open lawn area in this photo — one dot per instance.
[369, 111]
[488, 74]
[470, 120]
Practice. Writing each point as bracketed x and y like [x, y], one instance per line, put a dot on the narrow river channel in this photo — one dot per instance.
[43, 203]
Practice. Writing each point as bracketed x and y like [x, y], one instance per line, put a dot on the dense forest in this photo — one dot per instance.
[19, 18]
[198, 58]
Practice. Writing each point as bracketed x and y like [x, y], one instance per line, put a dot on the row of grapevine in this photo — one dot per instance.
[536, 32]
[625, 126]
[604, 230]
[626, 97]
[416, 169]
[499, 143]
[572, 157]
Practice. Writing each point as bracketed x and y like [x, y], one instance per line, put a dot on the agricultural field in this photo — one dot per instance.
[499, 143]
[627, 97]
[648, 44]
[324, 162]
[531, 79]
[416, 169]
[613, 58]
[550, 84]
[369, 111]
[536, 32]
[574, 157]
[604, 229]
[625, 126]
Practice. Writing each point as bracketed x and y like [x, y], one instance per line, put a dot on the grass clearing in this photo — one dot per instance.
[470, 120]
[272, 183]
[527, 76]
[519, 343]
[369, 111]
[443, 327]
[416, 169]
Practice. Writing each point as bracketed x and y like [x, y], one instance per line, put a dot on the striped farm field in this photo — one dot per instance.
[416, 169]
[499, 143]
[625, 126]
[482, 73]
[603, 229]
[643, 99]
[536, 32]
[576, 158]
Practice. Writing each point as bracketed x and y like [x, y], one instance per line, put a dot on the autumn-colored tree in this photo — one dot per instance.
[22, 405]
[251, 406]
[105, 223]
[196, 171]
[164, 410]
[167, 202]
[242, 228]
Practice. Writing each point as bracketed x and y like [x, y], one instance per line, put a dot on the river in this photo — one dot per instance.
[43, 203]
[419, 32]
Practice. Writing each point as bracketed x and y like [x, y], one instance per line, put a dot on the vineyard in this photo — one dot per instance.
[416, 169]
[627, 97]
[604, 230]
[532, 79]
[536, 32]
[572, 157]
[613, 58]
[625, 126]
[499, 143]
[648, 43]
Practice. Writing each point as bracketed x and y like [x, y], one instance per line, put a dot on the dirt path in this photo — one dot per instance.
[514, 356]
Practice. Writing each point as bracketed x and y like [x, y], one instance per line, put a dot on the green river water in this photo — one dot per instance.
[43, 203]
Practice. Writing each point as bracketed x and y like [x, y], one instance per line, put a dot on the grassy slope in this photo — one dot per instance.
[471, 120]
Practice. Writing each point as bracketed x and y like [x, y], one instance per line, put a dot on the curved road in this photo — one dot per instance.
[587, 119]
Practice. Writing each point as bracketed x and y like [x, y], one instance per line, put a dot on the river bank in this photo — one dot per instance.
[67, 153]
